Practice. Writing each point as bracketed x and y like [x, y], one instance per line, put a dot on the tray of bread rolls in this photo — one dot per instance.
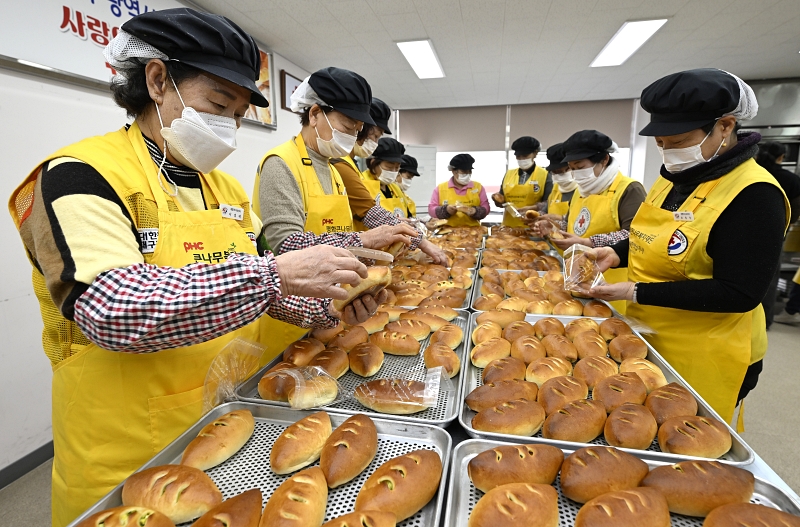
[397, 343]
[429, 284]
[261, 465]
[577, 381]
[496, 483]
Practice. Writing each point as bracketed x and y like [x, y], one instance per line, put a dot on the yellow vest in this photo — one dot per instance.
[711, 351]
[448, 196]
[396, 204]
[555, 203]
[408, 202]
[522, 195]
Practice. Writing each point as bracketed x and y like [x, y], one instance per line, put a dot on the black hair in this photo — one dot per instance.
[596, 158]
[372, 162]
[130, 87]
[769, 152]
[305, 118]
[365, 131]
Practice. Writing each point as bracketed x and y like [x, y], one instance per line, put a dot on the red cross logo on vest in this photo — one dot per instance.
[582, 222]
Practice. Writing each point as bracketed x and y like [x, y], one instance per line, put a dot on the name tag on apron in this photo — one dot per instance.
[229, 211]
[683, 216]
[148, 238]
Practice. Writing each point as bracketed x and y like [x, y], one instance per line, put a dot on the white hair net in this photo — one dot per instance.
[748, 105]
[613, 148]
[122, 51]
[305, 97]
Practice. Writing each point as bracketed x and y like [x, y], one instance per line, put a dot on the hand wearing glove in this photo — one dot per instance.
[360, 309]
[316, 271]
[569, 240]
[386, 235]
[451, 209]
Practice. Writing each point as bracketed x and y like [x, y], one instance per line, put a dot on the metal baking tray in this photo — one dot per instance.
[462, 495]
[740, 453]
[249, 469]
[441, 415]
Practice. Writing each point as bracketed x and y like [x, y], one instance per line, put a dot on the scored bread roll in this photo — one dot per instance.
[349, 450]
[504, 369]
[395, 343]
[695, 488]
[378, 277]
[441, 355]
[672, 400]
[516, 330]
[300, 352]
[560, 346]
[630, 426]
[392, 396]
[616, 390]
[432, 321]
[694, 436]
[125, 516]
[333, 360]
[179, 492]
[573, 308]
[519, 417]
[590, 344]
[448, 313]
[219, 440]
[349, 338]
[738, 514]
[365, 359]
[300, 443]
[449, 335]
[541, 370]
[403, 485]
[276, 387]
[415, 328]
[650, 374]
[597, 309]
[393, 311]
[412, 298]
[364, 519]
[242, 510]
[627, 347]
[527, 294]
[492, 349]
[592, 370]
[376, 322]
[325, 335]
[501, 465]
[525, 504]
[576, 327]
[539, 307]
[492, 394]
[592, 471]
[578, 421]
[487, 302]
[548, 326]
[317, 391]
[556, 297]
[486, 331]
[625, 508]
[613, 328]
[555, 393]
[489, 288]
[501, 317]
[300, 500]
[528, 349]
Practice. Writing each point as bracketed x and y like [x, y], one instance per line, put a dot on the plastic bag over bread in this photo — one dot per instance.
[310, 387]
[581, 272]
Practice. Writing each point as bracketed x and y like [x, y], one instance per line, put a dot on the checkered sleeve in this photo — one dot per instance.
[610, 238]
[304, 312]
[377, 216]
[304, 240]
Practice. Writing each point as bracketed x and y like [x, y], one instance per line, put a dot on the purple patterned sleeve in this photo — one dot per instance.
[610, 238]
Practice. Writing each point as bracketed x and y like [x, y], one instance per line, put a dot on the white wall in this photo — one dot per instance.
[37, 117]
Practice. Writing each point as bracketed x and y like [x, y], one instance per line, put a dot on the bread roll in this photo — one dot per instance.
[576, 327]
[572, 308]
[325, 335]
[519, 417]
[317, 391]
[127, 516]
[528, 349]
[527, 294]
[300, 352]
[590, 344]
[377, 279]
[695, 488]
[438, 310]
[616, 390]
[627, 347]
[625, 508]
[516, 330]
[592, 471]
[440, 355]
[412, 299]
[349, 450]
[366, 359]
[376, 322]
[514, 303]
[539, 307]
[694, 436]
[488, 288]
[486, 331]
[504, 369]
[501, 317]
[493, 394]
[487, 302]
[395, 343]
[393, 311]
[597, 309]
[219, 440]
[541, 370]
[422, 317]
[300, 501]
[613, 328]
[672, 400]
[554, 275]
[592, 370]
[579, 421]
[179, 492]
[242, 510]
[517, 504]
[556, 297]
[349, 338]
[501, 465]
[558, 391]
[403, 485]
[548, 326]
[649, 373]
[492, 349]
[364, 519]
[449, 335]
[333, 360]
[415, 328]
[392, 396]
[738, 514]
[560, 346]
[300, 444]
[276, 387]
[630, 426]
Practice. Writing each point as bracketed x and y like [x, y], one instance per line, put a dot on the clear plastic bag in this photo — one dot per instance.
[313, 387]
[404, 395]
[237, 362]
[581, 272]
[550, 229]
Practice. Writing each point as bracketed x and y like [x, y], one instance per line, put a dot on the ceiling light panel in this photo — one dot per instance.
[422, 58]
[630, 37]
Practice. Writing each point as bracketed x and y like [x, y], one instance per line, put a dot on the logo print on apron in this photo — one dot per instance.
[582, 222]
[677, 243]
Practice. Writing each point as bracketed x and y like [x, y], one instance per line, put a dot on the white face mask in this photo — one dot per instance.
[387, 176]
[584, 176]
[564, 181]
[366, 149]
[463, 179]
[339, 146]
[680, 159]
[404, 183]
[199, 140]
[525, 164]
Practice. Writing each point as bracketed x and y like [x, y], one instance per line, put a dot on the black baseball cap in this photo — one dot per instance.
[555, 154]
[345, 91]
[525, 145]
[380, 113]
[390, 150]
[585, 144]
[688, 100]
[462, 162]
[409, 164]
[210, 43]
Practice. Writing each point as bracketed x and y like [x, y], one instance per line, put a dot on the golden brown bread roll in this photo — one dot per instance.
[492, 394]
[514, 303]
[590, 344]
[300, 352]
[394, 311]
[539, 307]
[579, 421]
[592, 370]
[519, 417]
[613, 328]
[501, 317]
[126, 516]
[541, 370]
[578, 326]
[672, 400]
[403, 485]
[179, 492]
[650, 374]
[516, 330]
[553, 275]
[441, 355]
[438, 310]
[694, 436]
[489, 288]
[627, 347]
[449, 335]
[548, 326]
[525, 504]
[558, 391]
[395, 343]
[366, 359]
[376, 322]
[738, 514]
[300, 443]
[242, 510]
[333, 360]
[276, 387]
[349, 338]
[695, 488]
[486, 331]
[501, 465]
[556, 297]
[560, 346]
[349, 450]
[392, 396]
[527, 294]
[487, 351]
[219, 440]
[412, 298]
[415, 328]
[592, 471]
[528, 349]
[597, 309]
[504, 369]
[488, 302]
[616, 390]
[317, 391]
[432, 321]
[625, 508]
[325, 335]
[630, 426]
[572, 308]
[300, 501]
[377, 279]
[364, 519]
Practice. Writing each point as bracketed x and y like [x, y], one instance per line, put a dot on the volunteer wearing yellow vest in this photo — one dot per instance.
[698, 263]
[408, 171]
[525, 186]
[461, 201]
[383, 167]
[120, 238]
[791, 310]
[563, 184]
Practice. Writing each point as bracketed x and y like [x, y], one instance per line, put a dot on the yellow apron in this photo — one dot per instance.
[448, 196]
[396, 204]
[599, 214]
[796, 278]
[711, 351]
[113, 411]
[522, 195]
[555, 205]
